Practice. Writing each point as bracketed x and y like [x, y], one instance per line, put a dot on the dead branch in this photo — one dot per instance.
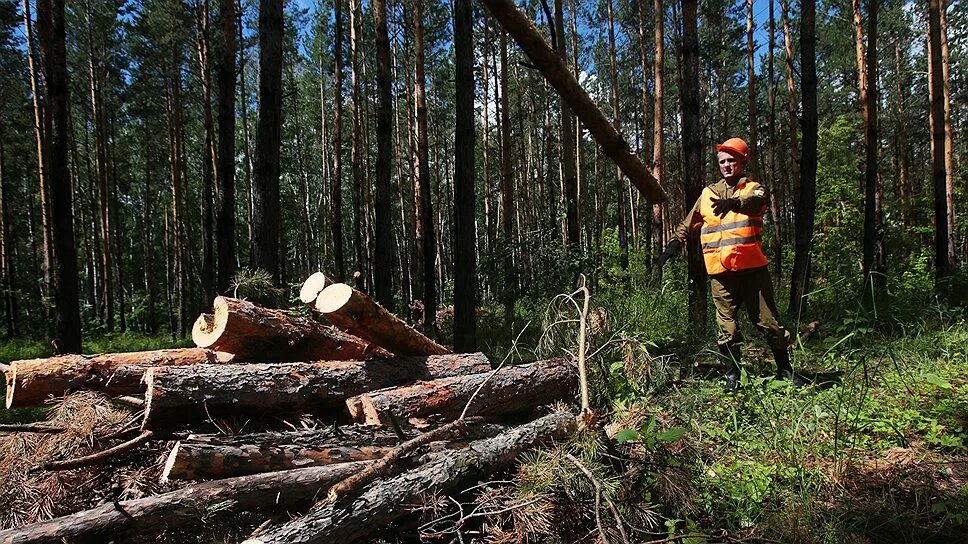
[101, 456]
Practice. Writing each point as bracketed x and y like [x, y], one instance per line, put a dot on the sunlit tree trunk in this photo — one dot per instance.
[939, 171]
[754, 164]
[7, 283]
[101, 164]
[949, 162]
[208, 155]
[359, 238]
[874, 258]
[568, 162]
[793, 120]
[903, 152]
[776, 193]
[507, 189]
[426, 212]
[658, 120]
[623, 237]
[336, 189]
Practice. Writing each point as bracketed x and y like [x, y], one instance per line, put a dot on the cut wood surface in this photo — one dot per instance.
[354, 312]
[30, 382]
[311, 288]
[514, 389]
[266, 335]
[554, 69]
[266, 493]
[215, 390]
[386, 500]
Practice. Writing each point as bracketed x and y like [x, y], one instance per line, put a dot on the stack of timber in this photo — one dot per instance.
[386, 414]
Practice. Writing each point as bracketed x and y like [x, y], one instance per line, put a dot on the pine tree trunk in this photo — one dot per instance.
[7, 282]
[225, 178]
[507, 190]
[692, 164]
[208, 155]
[425, 211]
[949, 164]
[100, 161]
[754, 162]
[903, 152]
[776, 193]
[623, 236]
[355, 151]
[939, 171]
[336, 190]
[64, 289]
[383, 247]
[265, 186]
[807, 200]
[873, 227]
[569, 168]
[793, 119]
[658, 132]
[465, 239]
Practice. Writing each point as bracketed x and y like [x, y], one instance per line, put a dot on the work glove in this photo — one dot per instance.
[722, 206]
[670, 251]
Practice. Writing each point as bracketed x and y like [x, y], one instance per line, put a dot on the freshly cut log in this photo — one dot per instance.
[255, 333]
[30, 382]
[201, 457]
[312, 287]
[510, 390]
[354, 312]
[181, 394]
[271, 492]
[387, 500]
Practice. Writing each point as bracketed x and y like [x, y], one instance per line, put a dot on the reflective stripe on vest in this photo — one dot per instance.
[732, 241]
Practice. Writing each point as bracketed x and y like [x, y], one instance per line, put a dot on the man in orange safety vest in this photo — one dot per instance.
[729, 217]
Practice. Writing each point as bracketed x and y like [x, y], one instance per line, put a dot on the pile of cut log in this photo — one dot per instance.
[396, 414]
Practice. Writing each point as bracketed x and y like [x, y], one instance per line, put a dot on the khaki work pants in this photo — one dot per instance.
[751, 288]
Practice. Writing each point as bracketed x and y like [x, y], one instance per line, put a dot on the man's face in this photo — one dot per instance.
[730, 166]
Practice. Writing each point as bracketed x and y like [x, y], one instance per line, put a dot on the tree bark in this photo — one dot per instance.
[336, 190]
[658, 112]
[903, 149]
[939, 171]
[357, 314]
[225, 178]
[181, 394]
[874, 257]
[425, 213]
[64, 289]
[754, 161]
[356, 160]
[276, 491]
[949, 164]
[30, 382]
[807, 206]
[692, 164]
[465, 201]
[7, 283]
[794, 121]
[383, 264]
[265, 186]
[208, 155]
[383, 502]
[510, 293]
[569, 167]
[207, 458]
[556, 72]
[254, 333]
[776, 193]
[623, 236]
[517, 389]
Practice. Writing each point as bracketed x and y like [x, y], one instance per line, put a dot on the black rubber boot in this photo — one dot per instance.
[731, 357]
[784, 370]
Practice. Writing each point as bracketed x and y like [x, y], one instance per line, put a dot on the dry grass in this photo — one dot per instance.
[31, 494]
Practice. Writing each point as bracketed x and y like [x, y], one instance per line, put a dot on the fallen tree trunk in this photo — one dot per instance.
[358, 314]
[30, 382]
[387, 500]
[181, 394]
[201, 457]
[311, 288]
[270, 492]
[255, 333]
[510, 390]
[554, 69]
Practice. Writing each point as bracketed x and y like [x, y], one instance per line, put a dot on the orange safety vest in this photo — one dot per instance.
[731, 242]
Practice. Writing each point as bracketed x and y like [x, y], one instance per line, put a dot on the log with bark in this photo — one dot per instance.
[255, 333]
[30, 382]
[266, 493]
[182, 394]
[387, 500]
[510, 390]
[354, 312]
[204, 457]
[311, 288]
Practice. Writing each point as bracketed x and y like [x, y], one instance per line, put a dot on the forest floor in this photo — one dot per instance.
[875, 450]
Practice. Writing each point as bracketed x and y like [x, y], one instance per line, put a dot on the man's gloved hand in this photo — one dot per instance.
[670, 252]
[722, 206]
